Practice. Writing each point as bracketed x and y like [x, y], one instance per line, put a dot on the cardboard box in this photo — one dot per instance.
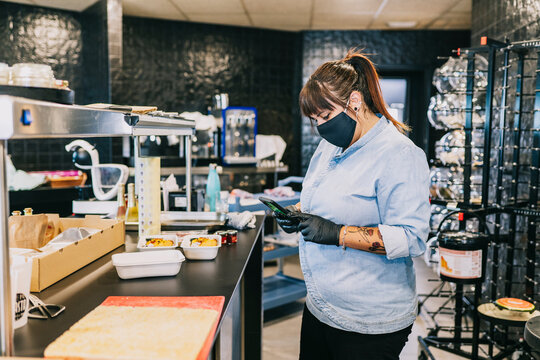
[51, 267]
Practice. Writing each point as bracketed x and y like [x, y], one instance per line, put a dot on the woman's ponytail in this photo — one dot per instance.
[368, 85]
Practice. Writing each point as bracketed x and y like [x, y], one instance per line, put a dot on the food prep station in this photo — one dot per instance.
[238, 268]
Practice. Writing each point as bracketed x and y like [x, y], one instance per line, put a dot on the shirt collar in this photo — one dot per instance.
[371, 134]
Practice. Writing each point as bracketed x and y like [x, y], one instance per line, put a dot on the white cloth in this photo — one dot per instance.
[241, 220]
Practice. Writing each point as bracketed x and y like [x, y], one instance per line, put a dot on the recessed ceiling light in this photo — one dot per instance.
[401, 24]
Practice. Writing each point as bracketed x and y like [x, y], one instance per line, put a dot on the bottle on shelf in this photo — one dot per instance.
[28, 211]
[213, 189]
[132, 208]
[121, 203]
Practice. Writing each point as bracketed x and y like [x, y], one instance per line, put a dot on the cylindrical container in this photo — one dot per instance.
[232, 237]
[132, 209]
[21, 269]
[462, 256]
[120, 203]
[224, 236]
[4, 74]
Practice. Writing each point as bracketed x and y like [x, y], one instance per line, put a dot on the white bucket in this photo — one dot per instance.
[21, 276]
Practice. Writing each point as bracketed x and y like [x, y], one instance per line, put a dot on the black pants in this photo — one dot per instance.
[319, 341]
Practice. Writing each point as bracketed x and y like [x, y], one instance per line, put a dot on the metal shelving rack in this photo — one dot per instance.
[513, 267]
[22, 118]
[461, 300]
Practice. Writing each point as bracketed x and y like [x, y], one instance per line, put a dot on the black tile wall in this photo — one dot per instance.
[75, 45]
[53, 37]
[177, 66]
[392, 50]
[514, 20]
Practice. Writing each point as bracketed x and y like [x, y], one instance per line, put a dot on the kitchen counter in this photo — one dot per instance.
[236, 274]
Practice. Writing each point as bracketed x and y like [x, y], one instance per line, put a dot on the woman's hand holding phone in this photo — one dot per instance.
[289, 223]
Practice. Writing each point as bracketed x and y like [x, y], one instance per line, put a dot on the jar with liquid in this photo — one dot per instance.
[132, 208]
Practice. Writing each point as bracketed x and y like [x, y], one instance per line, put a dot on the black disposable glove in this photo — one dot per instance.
[289, 224]
[319, 230]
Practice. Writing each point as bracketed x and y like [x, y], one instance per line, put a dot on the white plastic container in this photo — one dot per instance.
[148, 264]
[141, 245]
[202, 252]
[21, 275]
[4, 74]
[33, 75]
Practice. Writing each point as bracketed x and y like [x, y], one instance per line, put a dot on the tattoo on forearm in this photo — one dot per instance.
[377, 247]
[362, 233]
[368, 239]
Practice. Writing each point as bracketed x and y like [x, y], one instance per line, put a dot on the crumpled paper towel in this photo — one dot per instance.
[241, 220]
[21, 180]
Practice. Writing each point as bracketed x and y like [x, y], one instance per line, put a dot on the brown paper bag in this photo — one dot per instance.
[27, 231]
[53, 227]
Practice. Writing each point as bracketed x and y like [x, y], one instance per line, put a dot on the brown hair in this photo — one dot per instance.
[334, 81]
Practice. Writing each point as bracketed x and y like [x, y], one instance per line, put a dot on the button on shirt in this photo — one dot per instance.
[382, 180]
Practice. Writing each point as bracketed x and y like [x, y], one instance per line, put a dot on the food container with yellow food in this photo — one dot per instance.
[201, 247]
[157, 242]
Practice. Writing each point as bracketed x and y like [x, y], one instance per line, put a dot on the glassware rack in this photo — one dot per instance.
[22, 118]
[502, 186]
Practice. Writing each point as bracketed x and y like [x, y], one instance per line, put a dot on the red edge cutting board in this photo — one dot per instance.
[191, 302]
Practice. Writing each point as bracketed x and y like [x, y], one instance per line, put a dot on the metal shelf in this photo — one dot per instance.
[203, 170]
[282, 289]
[30, 119]
[279, 252]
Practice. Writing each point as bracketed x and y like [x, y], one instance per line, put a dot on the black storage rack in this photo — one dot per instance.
[500, 202]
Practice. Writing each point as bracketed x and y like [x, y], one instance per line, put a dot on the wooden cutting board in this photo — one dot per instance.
[154, 321]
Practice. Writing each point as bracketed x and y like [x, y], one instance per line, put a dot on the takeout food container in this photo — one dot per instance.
[141, 245]
[148, 264]
[202, 252]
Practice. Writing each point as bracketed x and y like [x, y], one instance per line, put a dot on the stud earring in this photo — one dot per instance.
[355, 109]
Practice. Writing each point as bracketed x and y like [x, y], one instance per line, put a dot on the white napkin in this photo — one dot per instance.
[241, 220]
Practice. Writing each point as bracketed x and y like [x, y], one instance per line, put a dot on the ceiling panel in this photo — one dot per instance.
[26, 2]
[434, 7]
[293, 22]
[295, 15]
[73, 5]
[346, 6]
[240, 19]
[162, 9]
[278, 6]
[463, 5]
[421, 21]
[340, 21]
[210, 7]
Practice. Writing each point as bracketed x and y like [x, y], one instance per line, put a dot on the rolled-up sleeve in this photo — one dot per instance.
[403, 200]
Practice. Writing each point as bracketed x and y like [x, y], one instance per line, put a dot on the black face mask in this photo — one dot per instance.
[339, 130]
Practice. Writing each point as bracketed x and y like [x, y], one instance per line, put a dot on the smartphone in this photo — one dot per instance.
[275, 207]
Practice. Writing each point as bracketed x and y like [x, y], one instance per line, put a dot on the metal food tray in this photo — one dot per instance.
[185, 219]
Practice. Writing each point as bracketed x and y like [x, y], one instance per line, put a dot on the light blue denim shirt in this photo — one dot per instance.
[381, 180]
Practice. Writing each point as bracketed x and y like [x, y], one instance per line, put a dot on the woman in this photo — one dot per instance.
[364, 213]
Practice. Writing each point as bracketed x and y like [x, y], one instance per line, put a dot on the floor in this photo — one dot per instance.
[281, 332]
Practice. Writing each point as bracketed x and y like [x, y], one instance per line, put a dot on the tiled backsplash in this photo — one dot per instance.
[500, 19]
[178, 66]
